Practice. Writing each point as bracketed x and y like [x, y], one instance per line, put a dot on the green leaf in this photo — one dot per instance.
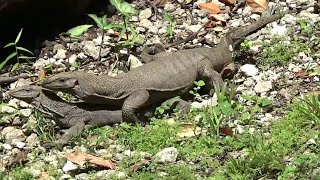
[123, 7]
[98, 20]
[7, 59]
[9, 44]
[78, 30]
[15, 66]
[26, 57]
[18, 37]
[24, 49]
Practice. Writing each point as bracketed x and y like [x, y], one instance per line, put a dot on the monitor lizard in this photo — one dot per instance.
[172, 75]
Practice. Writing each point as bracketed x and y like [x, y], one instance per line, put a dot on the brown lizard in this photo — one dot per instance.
[159, 80]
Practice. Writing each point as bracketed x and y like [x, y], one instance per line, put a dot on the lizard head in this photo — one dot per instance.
[27, 93]
[61, 81]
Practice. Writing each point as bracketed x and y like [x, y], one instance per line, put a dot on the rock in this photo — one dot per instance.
[249, 82]
[72, 59]
[205, 103]
[18, 144]
[167, 155]
[24, 104]
[145, 23]
[279, 30]
[7, 146]
[90, 49]
[249, 70]
[145, 14]
[82, 176]
[169, 7]
[69, 166]
[121, 175]
[61, 54]
[10, 133]
[263, 86]
[7, 109]
[32, 140]
[25, 112]
[57, 47]
[134, 61]
[194, 28]
[129, 153]
[153, 30]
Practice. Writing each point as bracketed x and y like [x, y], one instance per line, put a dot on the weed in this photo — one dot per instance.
[16, 53]
[306, 27]
[44, 127]
[195, 90]
[171, 22]
[245, 45]
[19, 173]
[310, 107]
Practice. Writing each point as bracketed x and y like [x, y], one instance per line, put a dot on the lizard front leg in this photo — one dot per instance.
[133, 102]
[210, 76]
[72, 131]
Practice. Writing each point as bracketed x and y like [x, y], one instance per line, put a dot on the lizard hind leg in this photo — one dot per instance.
[134, 101]
[71, 132]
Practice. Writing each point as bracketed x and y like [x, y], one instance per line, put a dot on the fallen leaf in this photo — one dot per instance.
[81, 158]
[220, 17]
[188, 130]
[211, 7]
[301, 74]
[258, 5]
[226, 131]
[42, 74]
[229, 2]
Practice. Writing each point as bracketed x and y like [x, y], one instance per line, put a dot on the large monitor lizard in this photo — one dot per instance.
[72, 116]
[172, 75]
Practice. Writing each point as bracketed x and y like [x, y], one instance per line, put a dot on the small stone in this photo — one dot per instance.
[69, 166]
[153, 30]
[32, 140]
[194, 28]
[279, 30]
[205, 103]
[263, 86]
[311, 142]
[10, 133]
[145, 14]
[121, 175]
[90, 49]
[145, 23]
[7, 146]
[249, 82]
[169, 7]
[61, 54]
[18, 144]
[82, 176]
[118, 156]
[167, 155]
[72, 59]
[24, 104]
[57, 47]
[7, 109]
[25, 112]
[249, 70]
[82, 56]
[134, 61]
[218, 29]
[129, 153]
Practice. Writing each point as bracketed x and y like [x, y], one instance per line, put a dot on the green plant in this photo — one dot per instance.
[17, 53]
[195, 90]
[77, 31]
[306, 27]
[171, 22]
[245, 45]
[310, 107]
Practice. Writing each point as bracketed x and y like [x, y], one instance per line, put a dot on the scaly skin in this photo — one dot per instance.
[172, 74]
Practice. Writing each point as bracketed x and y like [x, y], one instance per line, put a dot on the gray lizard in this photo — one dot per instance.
[172, 75]
[72, 116]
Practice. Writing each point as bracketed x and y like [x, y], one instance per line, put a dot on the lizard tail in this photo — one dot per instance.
[238, 35]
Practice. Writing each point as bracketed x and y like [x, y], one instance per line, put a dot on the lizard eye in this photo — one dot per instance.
[62, 80]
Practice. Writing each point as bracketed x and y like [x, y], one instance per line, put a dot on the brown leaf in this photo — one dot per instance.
[301, 74]
[220, 17]
[20, 157]
[211, 7]
[42, 74]
[226, 131]
[81, 158]
[258, 5]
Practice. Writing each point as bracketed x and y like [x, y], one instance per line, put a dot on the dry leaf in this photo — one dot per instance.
[42, 74]
[258, 5]
[188, 130]
[226, 131]
[81, 158]
[229, 2]
[301, 74]
[211, 7]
